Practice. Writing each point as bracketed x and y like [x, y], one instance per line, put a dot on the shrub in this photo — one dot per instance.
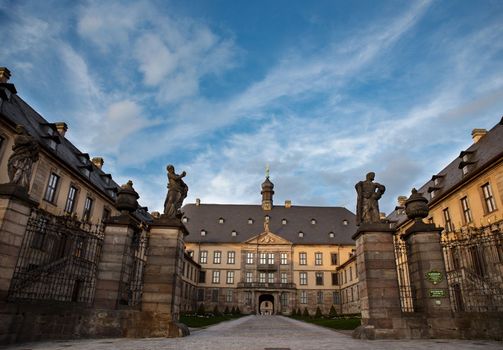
[298, 312]
[238, 312]
[200, 310]
[294, 313]
[332, 313]
[305, 313]
[216, 312]
[226, 311]
[318, 313]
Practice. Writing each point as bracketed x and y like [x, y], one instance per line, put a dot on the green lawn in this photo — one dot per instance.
[196, 321]
[335, 323]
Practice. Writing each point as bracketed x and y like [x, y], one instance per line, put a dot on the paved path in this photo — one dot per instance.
[259, 332]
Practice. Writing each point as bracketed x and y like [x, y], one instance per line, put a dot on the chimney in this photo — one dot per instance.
[62, 128]
[477, 134]
[198, 202]
[288, 203]
[98, 161]
[401, 201]
[4, 75]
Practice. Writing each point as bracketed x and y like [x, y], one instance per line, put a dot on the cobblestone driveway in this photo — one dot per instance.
[259, 332]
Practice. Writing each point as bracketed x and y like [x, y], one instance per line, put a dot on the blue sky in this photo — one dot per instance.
[323, 91]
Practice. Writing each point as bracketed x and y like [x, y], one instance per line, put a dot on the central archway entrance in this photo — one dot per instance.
[266, 304]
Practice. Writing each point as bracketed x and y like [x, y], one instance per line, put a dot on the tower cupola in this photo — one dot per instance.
[267, 192]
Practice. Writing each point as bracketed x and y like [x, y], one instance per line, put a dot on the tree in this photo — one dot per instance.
[226, 311]
[305, 313]
[332, 313]
[216, 312]
[318, 313]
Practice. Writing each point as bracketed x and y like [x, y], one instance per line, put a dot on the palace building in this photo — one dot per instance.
[269, 259]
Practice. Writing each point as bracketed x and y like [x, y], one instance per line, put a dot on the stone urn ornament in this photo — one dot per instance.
[416, 207]
[127, 198]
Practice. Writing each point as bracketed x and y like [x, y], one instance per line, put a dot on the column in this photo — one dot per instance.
[378, 282]
[15, 210]
[113, 265]
[162, 287]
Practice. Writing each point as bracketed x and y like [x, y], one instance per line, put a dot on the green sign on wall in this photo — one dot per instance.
[434, 277]
[437, 293]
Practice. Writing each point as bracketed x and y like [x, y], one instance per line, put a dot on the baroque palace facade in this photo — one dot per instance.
[269, 259]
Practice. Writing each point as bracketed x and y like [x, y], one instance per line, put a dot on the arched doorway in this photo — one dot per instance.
[266, 304]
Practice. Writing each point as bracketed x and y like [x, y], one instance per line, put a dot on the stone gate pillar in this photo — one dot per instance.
[378, 283]
[163, 275]
[427, 273]
[15, 210]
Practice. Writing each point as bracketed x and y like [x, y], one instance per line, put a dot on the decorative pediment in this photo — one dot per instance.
[267, 238]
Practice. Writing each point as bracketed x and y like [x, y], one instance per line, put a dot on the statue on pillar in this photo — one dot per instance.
[25, 153]
[177, 192]
[367, 207]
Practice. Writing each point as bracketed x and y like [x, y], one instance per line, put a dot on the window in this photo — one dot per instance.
[228, 296]
[487, 191]
[319, 297]
[302, 258]
[248, 298]
[249, 277]
[250, 221]
[467, 213]
[185, 219]
[303, 278]
[217, 257]
[345, 222]
[270, 259]
[319, 278]
[216, 277]
[52, 185]
[284, 299]
[231, 257]
[203, 257]
[249, 258]
[88, 207]
[318, 258]
[336, 296]
[70, 200]
[200, 294]
[270, 278]
[313, 221]
[333, 258]
[449, 227]
[335, 279]
[301, 234]
[350, 273]
[331, 234]
[283, 221]
[284, 277]
[202, 276]
[203, 233]
[261, 277]
[214, 295]
[263, 258]
[106, 214]
[221, 220]
[230, 277]
[234, 233]
[303, 297]
[284, 258]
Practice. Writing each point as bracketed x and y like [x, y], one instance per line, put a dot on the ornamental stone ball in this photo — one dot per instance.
[368, 195]
[177, 192]
[20, 163]
[416, 207]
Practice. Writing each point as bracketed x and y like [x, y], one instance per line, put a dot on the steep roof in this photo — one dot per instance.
[298, 218]
[480, 155]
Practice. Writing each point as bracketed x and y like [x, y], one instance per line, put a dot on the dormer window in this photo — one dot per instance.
[86, 169]
[106, 178]
[203, 233]
[331, 234]
[313, 221]
[250, 221]
[283, 221]
[185, 219]
[267, 218]
[345, 222]
[234, 233]
[221, 220]
[301, 234]
[467, 160]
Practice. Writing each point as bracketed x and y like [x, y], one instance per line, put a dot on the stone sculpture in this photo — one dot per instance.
[367, 206]
[177, 192]
[25, 153]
